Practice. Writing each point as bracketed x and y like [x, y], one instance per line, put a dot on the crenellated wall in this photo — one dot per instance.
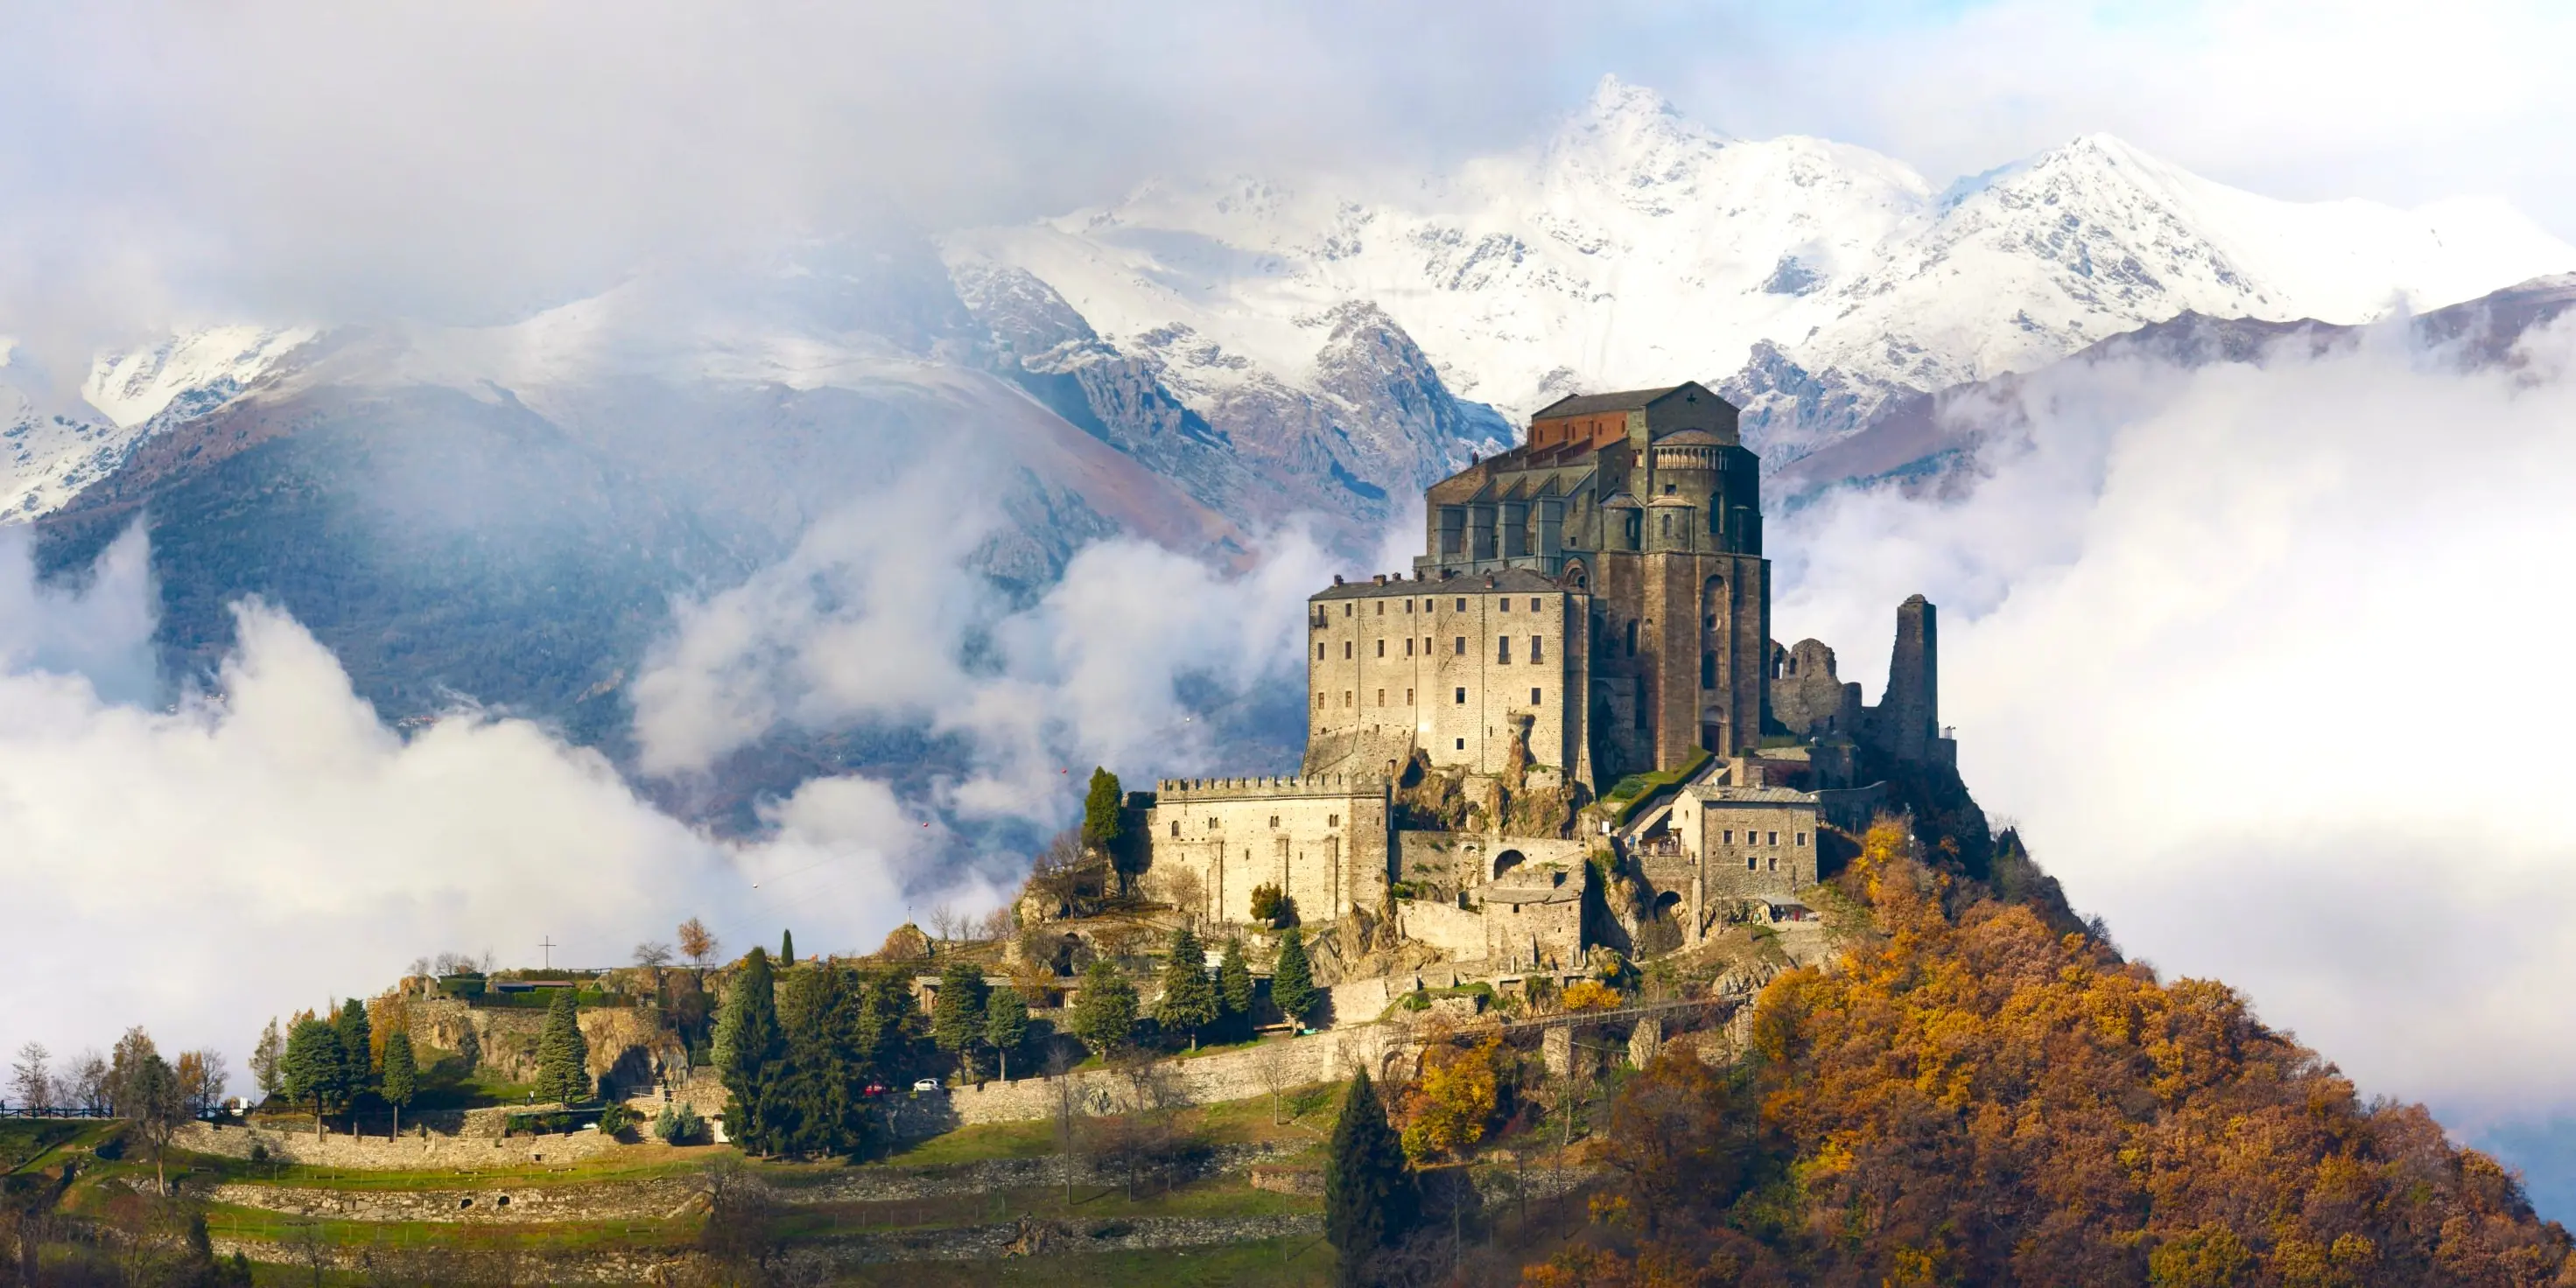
[1325, 840]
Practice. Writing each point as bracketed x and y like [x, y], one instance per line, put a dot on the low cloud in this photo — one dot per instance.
[269, 845]
[878, 616]
[2262, 659]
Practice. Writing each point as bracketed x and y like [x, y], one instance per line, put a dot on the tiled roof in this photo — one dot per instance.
[1587, 404]
[1517, 581]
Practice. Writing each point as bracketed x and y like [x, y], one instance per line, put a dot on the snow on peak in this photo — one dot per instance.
[1632, 246]
[197, 370]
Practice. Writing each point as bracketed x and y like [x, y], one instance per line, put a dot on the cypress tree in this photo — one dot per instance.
[813, 1103]
[1370, 1198]
[402, 1074]
[748, 1045]
[1292, 978]
[886, 1021]
[787, 948]
[563, 1054]
[1234, 983]
[1100, 810]
[1188, 1003]
[1105, 1015]
[957, 1017]
[1006, 1024]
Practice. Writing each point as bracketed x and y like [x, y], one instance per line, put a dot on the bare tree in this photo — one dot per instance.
[31, 1078]
[202, 1078]
[946, 923]
[1186, 891]
[740, 1210]
[653, 953]
[86, 1084]
[697, 943]
[1274, 1065]
[1065, 1108]
[1067, 875]
[997, 924]
[419, 966]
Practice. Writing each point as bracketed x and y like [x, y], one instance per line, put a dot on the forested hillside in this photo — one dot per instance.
[1976, 1098]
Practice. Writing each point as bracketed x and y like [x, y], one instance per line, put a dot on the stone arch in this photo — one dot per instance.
[1508, 860]
[1666, 902]
[1577, 576]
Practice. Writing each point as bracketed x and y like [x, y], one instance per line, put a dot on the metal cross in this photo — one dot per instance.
[549, 945]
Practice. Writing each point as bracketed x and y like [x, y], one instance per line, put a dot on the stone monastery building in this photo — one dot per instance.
[1592, 604]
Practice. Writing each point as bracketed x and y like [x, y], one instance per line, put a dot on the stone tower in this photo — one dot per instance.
[1906, 723]
[1645, 509]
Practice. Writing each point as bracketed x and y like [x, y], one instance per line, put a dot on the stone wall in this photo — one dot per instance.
[1207, 1079]
[1324, 840]
[649, 1200]
[1451, 929]
[1452, 665]
[630, 1046]
[410, 1152]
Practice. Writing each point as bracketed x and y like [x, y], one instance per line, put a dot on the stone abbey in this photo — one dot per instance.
[1591, 606]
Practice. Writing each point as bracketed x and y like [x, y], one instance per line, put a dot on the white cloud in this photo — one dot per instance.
[199, 868]
[877, 617]
[2263, 661]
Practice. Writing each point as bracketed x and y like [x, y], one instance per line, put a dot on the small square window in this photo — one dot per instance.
[1533, 603]
[1751, 863]
[1802, 838]
[1730, 836]
[1775, 839]
[1462, 744]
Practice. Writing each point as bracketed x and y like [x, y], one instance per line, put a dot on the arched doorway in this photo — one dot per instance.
[1508, 860]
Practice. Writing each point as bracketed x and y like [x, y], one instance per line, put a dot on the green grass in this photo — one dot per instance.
[1635, 792]
[228, 1222]
[24, 1141]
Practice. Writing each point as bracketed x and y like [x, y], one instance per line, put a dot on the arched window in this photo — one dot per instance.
[1507, 860]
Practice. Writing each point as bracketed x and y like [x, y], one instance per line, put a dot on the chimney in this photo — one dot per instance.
[1381, 579]
[1337, 579]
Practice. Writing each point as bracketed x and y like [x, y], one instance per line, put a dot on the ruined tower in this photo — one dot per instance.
[1906, 723]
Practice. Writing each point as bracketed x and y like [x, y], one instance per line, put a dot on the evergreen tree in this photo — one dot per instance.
[1371, 1200]
[1105, 1015]
[748, 1047]
[1100, 811]
[563, 1055]
[1006, 1024]
[786, 948]
[957, 1017]
[1234, 984]
[358, 1067]
[311, 1072]
[402, 1074]
[887, 1021]
[1188, 1003]
[815, 1103]
[1292, 978]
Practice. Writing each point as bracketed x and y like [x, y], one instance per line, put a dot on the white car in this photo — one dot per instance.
[926, 1084]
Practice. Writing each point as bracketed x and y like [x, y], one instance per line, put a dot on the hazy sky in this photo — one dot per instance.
[321, 162]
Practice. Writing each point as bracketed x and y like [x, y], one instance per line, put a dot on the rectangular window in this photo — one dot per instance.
[1346, 650]
[1346, 697]
[1319, 650]
[1408, 697]
[1462, 605]
[1346, 609]
[1534, 698]
[1802, 838]
[1381, 608]
[1462, 697]
[1211, 824]
[1274, 820]
[1426, 646]
[1462, 744]
[1462, 646]
[1381, 697]
[1319, 699]
[1408, 605]
[1730, 836]
[1506, 602]
[1538, 649]
[1775, 839]
[1408, 646]
[1533, 603]
[1176, 827]
[1503, 651]
[1381, 648]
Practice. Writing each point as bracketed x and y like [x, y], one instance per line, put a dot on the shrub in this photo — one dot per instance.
[618, 1119]
[1588, 995]
[678, 1125]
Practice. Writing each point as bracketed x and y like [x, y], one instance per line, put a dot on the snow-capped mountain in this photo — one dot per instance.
[52, 448]
[1812, 280]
